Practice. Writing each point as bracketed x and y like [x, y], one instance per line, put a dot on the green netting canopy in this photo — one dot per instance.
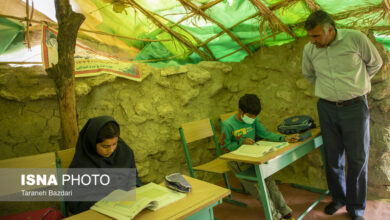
[226, 30]
[165, 32]
[11, 34]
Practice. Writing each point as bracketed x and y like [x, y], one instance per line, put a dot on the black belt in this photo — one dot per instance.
[347, 102]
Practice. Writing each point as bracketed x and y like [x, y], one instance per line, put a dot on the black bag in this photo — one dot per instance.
[296, 124]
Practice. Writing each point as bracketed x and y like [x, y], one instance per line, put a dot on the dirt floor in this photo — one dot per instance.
[299, 200]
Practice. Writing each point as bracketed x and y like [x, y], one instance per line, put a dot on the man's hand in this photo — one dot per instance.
[248, 141]
[292, 138]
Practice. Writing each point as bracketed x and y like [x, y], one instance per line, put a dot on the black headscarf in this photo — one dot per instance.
[86, 155]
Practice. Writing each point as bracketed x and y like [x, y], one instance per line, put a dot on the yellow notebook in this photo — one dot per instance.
[258, 149]
[118, 203]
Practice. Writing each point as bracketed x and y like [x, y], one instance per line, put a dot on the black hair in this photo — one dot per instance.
[250, 103]
[109, 130]
[319, 17]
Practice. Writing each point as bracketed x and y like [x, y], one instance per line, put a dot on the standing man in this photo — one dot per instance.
[340, 64]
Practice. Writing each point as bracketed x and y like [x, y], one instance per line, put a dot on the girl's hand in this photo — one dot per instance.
[292, 138]
[248, 141]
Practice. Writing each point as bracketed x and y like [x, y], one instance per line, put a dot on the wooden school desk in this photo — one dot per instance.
[198, 204]
[272, 162]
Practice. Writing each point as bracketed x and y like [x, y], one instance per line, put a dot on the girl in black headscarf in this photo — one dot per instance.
[99, 146]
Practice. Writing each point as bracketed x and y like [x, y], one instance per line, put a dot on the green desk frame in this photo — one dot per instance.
[61, 187]
[205, 214]
[262, 171]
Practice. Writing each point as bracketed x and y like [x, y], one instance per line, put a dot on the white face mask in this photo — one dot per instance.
[247, 119]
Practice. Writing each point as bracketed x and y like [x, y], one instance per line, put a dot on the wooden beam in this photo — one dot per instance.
[252, 43]
[81, 29]
[272, 7]
[274, 22]
[121, 36]
[203, 8]
[174, 34]
[357, 12]
[282, 4]
[373, 28]
[209, 5]
[235, 25]
[18, 62]
[200, 44]
[62, 73]
[386, 9]
[27, 36]
[312, 5]
[134, 61]
[189, 4]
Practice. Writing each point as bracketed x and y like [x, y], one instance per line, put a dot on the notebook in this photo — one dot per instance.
[118, 203]
[258, 149]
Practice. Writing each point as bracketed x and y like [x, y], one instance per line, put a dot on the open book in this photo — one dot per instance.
[118, 203]
[258, 149]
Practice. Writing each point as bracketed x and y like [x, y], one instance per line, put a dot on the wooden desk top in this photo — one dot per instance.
[260, 160]
[202, 195]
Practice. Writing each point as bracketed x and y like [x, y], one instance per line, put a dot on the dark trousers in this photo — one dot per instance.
[346, 132]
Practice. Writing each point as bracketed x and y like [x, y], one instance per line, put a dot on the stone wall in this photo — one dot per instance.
[379, 101]
[151, 112]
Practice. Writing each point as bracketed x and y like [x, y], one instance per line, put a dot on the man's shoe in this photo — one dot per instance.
[332, 207]
[357, 217]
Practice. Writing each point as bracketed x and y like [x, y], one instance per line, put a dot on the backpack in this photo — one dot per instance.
[296, 124]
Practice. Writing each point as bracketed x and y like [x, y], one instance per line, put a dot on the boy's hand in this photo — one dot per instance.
[292, 138]
[248, 141]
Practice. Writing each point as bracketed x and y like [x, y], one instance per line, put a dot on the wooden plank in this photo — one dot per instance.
[33, 164]
[46, 160]
[197, 130]
[216, 166]
[203, 195]
[261, 160]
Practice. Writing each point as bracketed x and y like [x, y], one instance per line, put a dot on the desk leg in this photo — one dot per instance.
[323, 192]
[204, 214]
[263, 192]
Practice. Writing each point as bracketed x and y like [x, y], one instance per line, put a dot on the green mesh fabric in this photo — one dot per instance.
[121, 19]
[11, 35]
[229, 13]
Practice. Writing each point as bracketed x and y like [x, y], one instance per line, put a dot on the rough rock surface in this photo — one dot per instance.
[151, 112]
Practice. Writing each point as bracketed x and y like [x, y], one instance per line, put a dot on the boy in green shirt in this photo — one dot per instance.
[242, 128]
